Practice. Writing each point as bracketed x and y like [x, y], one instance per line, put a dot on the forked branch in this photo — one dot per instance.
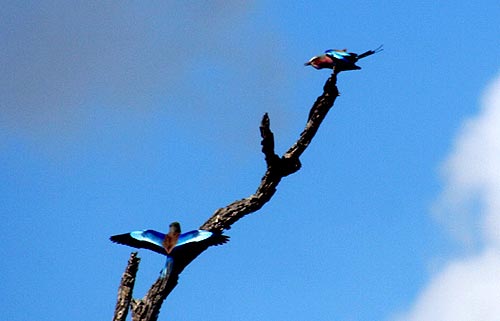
[147, 309]
[277, 167]
[126, 288]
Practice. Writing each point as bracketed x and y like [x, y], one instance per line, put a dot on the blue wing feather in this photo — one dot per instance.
[193, 236]
[337, 54]
[153, 240]
[150, 236]
[147, 239]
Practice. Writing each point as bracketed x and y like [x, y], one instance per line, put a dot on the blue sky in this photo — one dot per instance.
[124, 116]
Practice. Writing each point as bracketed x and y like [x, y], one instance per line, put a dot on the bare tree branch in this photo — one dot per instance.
[126, 288]
[147, 309]
[318, 112]
[277, 167]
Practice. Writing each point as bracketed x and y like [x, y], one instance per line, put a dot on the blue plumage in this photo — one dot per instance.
[151, 236]
[339, 54]
[339, 60]
[186, 246]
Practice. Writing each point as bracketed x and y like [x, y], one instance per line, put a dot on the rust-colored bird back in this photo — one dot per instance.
[170, 241]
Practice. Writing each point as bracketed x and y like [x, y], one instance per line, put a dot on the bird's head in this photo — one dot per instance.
[175, 227]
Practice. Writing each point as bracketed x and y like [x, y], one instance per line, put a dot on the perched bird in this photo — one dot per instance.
[180, 249]
[339, 60]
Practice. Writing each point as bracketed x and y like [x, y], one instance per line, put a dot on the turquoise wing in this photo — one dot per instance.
[193, 236]
[147, 239]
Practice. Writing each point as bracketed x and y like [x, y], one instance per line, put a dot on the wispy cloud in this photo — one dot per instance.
[469, 288]
[57, 57]
[470, 201]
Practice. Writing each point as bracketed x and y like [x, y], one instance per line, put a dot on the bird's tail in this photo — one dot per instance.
[371, 52]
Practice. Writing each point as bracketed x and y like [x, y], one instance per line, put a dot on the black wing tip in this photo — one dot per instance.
[219, 239]
[123, 239]
[128, 240]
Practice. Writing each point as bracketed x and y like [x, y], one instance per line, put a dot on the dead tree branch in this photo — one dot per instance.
[277, 167]
[126, 288]
[147, 309]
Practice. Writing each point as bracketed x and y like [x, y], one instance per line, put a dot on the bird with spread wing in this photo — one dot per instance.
[179, 248]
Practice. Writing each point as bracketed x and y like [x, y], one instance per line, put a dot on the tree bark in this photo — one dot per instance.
[148, 308]
[126, 288]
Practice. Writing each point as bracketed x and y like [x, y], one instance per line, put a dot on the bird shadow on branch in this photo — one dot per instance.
[148, 308]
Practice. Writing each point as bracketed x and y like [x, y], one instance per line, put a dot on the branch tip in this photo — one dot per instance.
[265, 120]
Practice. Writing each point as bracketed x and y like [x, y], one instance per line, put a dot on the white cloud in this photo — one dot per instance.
[468, 289]
[471, 196]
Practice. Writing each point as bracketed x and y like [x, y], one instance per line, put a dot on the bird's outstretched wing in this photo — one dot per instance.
[147, 239]
[153, 240]
[201, 236]
[186, 251]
